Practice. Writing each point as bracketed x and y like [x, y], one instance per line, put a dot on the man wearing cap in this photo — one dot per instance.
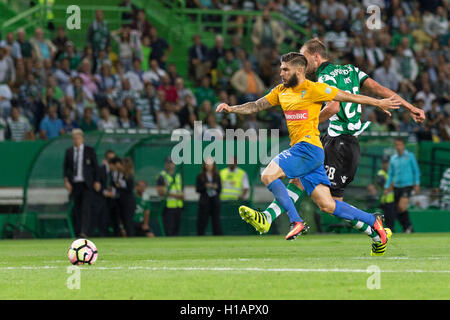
[170, 187]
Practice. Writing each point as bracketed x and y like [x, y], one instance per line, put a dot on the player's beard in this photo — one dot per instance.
[292, 81]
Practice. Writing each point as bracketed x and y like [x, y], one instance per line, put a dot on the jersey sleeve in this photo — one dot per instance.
[272, 96]
[323, 92]
[362, 76]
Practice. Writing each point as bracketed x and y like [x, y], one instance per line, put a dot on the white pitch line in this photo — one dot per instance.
[221, 269]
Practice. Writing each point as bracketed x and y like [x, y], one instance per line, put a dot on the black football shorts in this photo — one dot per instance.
[342, 155]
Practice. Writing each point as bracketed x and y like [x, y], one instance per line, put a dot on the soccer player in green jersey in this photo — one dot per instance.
[342, 153]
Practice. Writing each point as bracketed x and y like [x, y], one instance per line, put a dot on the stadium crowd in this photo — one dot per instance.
[48, 86]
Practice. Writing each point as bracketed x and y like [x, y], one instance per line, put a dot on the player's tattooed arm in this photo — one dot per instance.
[246, 108]
[384, 104]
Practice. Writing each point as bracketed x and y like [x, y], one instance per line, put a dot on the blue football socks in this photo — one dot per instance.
[345, 211]
[280, 193]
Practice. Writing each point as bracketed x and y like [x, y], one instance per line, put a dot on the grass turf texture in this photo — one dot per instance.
[253, 267]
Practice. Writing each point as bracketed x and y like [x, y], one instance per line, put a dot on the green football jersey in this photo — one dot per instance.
[350, 79]
[142, 204]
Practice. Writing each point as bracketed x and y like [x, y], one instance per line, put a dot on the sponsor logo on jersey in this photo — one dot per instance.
[294, 115]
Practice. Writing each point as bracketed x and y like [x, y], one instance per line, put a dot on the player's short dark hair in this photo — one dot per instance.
[294, 58]
[402, 140]
[108, 152]
[316, 46]
[115, 160]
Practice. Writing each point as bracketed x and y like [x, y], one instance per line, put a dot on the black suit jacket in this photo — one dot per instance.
[90, 166]
[193, 52]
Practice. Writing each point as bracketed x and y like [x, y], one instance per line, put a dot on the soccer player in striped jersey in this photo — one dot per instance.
[301, 101]
[342, 152]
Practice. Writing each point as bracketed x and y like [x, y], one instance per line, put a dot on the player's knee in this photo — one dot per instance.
[266, 179]
[327, 206]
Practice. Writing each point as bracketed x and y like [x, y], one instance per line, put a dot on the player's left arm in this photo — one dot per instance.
[385, 104]
[330, 109]
[377, 89]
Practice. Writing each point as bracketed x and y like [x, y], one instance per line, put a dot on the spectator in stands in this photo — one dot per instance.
[160, 48]
[13, 46]
[142, 212]
[247, 83]
[51, 126]
[226, 67]
[81, 180]
[169, 186]
[116, 98]
[172, 72]
[129, 45]
[198, 59]
[167, 119]
[170, 90]
[88, 78]
[188, 109]
[18, 126]
[106, 120]
[128, 16]
[87, 123]
[124, 120]
[216, 52]
[49, 100]
[73, 56]
[7, 69]
[209, 187]
[30, 94]
[26, 49]
[141, 24]
[81, 96]
[374, 55]
[60, 41]
[385, 75]
[155, 73]
[63, 74]
[43, 48]
[98, 36]
[427, 96]
[435, 117]
[148, 107]
[68, 123]
[182, 92]
[135, 75]
[205, 92]
[266, 34]
[211, 129]
[404, 64]
[235, 184]
[107, 83]
[337, 38]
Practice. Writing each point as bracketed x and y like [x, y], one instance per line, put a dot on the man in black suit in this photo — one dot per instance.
[81, 181]
[102, 206]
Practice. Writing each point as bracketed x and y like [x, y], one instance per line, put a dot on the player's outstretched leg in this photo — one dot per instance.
[271, 178]
[322, 197]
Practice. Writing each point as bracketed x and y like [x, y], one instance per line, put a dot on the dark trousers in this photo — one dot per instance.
[82, 198]
[171, 218]
[100, 216]
[114, 215]
[209, 207]
[127, 205]
[390, 213]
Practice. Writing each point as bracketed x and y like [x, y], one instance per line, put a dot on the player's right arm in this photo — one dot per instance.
[246, 108]
[377, 89]
[390, 103]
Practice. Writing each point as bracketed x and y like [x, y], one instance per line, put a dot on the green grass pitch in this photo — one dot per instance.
[416, 266]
